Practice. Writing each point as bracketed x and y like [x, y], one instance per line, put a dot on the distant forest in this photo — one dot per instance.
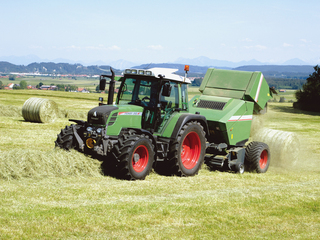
[278, 76]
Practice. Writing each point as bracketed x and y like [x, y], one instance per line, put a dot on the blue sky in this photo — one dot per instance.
[161, 31]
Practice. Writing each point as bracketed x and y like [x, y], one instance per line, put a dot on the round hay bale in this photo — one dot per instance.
[282, 99]
[40, 110]
[284, 146]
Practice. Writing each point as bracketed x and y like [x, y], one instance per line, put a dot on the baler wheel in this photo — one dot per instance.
[187, 153]
[65, 138]
[257, 157]
[135, 156]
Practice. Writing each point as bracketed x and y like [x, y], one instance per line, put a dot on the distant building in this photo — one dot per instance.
[282, 90]
[83, 90]
[31, 87]
[47, 87]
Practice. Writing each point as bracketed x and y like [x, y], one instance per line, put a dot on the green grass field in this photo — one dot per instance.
[48, 194]
[81, 82]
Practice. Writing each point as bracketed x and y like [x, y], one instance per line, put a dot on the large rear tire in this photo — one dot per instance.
[186, 154]
[135, 156]
[257, 157]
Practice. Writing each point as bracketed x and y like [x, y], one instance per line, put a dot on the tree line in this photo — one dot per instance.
[308, 97]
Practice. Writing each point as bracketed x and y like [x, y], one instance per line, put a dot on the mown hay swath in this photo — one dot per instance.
[64, 113]
[10, 111]
[27, 163]
[39, 110]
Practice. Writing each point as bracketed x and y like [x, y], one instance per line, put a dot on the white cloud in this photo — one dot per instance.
[36, 47]
[74, 47]
[114, 47]
[256, 47]
[305, 40]
[287, 45]
[246, 40]
[99, 47]
[155, 47]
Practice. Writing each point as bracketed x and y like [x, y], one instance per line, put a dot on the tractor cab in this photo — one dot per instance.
[159, 93]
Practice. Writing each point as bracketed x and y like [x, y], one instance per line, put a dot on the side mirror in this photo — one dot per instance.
[102, 85]
[166, 90]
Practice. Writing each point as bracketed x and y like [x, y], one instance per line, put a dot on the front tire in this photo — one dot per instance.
[66, 139]
[136, 156]
[187, 153]
[257, 157]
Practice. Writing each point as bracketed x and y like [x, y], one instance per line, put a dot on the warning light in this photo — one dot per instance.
[186, 68]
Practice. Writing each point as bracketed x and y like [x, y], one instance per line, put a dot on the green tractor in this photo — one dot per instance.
[153, 125]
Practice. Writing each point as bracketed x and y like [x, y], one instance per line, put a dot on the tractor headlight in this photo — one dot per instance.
[90, 143]
[89, 129]
[99, 130]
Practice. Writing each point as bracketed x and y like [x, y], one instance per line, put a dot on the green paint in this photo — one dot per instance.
[129, 116]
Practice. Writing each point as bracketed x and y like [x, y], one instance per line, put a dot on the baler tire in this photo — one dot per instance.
[186, 154]
[257, 157]
[135, 156]
[66, 139]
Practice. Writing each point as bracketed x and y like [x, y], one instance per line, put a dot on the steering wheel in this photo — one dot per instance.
[144, 100]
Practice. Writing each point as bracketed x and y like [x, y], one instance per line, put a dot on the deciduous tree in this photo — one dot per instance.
[309, 96]
[23, 84]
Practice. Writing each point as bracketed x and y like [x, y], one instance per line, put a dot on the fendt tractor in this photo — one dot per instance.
[153, 125]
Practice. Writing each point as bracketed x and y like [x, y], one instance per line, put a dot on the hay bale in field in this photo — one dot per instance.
[284, 146]
[282, 99]
[40, 110]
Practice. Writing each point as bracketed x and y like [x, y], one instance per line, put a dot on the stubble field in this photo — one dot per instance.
[47, 193]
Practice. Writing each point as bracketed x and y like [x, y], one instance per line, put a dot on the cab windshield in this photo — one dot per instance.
[139, 91]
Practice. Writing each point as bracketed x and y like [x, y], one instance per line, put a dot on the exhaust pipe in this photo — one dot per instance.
[112, 84]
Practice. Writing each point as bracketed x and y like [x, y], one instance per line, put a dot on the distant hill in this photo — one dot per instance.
[208, 62]
[54, 68]
[282, 71]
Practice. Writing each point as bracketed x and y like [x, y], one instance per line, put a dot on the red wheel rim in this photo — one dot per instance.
[263, 159]
[190, 150]
[140, 158]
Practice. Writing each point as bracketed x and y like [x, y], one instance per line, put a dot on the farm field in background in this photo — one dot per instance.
[82, 82]
[76, 201]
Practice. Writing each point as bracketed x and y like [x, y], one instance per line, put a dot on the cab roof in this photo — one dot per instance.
[166, 73]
